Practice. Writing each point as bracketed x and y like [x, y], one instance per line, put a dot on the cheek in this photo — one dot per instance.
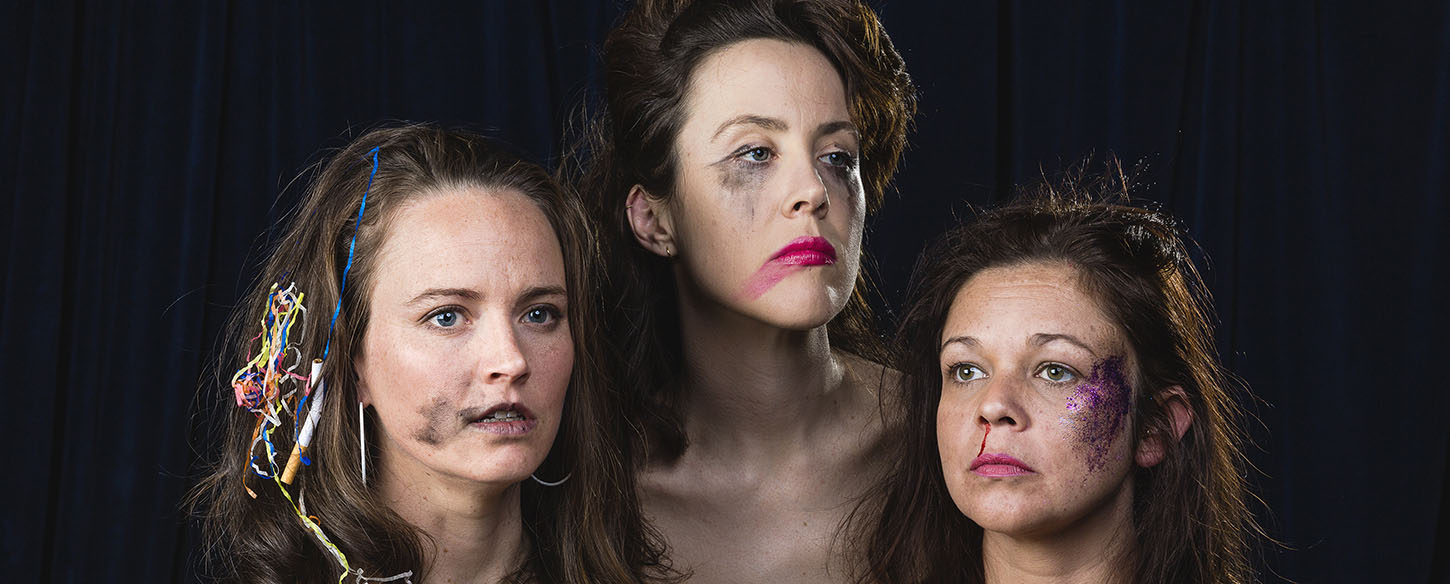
[1097, 413]
[741, 188]
[412, 382]
[954, 430]
[552, 363]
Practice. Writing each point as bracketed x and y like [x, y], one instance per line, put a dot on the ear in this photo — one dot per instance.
[649, 218]
[1154, 447]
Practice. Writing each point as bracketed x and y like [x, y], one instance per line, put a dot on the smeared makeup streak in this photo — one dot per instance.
[1099, 405]
[438, 415]
[741, 183]
[988, 428]
[766, 278]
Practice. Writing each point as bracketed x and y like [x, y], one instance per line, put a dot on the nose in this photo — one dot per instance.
[1000, 406]
[807, 189]
[501, 358]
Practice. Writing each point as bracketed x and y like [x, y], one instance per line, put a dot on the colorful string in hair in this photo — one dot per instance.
[268, 385]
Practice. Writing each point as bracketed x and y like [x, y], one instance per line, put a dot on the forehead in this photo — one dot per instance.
[468, 237]
[1009, 304]
[765, 77]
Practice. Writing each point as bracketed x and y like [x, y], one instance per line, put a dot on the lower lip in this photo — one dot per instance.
[1000, 470]
[513, 428]
[805, 257]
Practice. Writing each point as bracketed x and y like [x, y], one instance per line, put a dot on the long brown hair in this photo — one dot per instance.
[1190, 512]
[587, 530]
[649, 58]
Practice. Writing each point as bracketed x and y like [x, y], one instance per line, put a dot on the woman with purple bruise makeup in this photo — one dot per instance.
[741, 148]
[1084, 430]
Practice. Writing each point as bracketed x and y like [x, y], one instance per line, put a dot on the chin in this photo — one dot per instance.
[801, 307]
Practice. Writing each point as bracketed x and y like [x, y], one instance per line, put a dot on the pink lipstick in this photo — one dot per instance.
[805, 251]
[800, 253]
[999, 465]
[505, 419]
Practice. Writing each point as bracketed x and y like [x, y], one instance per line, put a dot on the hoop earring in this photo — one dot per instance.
[549, 484]
[362, 441]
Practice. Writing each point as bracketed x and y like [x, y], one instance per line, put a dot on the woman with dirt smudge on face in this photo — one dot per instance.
[464, 356]
[742, 146]
[1080, 427]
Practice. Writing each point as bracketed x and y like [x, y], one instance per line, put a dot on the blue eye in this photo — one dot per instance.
[540, 315]
[839, 159]
[1057, 373]
[445, 319]
[964, 372]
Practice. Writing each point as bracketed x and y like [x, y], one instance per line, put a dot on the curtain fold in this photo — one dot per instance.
[150, 151]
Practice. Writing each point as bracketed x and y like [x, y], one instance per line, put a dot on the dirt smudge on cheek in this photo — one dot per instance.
[438, 415]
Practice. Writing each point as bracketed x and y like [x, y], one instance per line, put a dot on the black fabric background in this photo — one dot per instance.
[148, 149]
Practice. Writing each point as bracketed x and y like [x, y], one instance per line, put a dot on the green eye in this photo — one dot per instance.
[1057, 373]
[964, 372]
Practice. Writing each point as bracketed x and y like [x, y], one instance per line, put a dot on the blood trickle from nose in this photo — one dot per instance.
[988, 428]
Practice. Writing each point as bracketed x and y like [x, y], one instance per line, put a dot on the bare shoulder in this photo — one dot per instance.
[876, 392]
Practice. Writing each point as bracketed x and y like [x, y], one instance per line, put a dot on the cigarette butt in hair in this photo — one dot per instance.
[294, 462]
[304, 439]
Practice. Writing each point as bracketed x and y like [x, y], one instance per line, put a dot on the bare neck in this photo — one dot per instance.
[753, 390]
[1097, 549]
[476, 530]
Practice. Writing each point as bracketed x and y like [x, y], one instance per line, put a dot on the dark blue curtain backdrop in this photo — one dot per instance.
[1307, 145]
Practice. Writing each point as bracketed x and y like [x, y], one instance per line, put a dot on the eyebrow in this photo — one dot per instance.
[751, 120]
[777, 125]
[431, 293]
[471, 294]
[1036, 340]
[965, 340]
[541, 291]
[1040, 339]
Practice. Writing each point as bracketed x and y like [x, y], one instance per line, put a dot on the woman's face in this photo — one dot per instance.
[768, 209]
[467, 356]
[1034, 424]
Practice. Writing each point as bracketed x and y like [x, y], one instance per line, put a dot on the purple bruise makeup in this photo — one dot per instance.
[1097, 410]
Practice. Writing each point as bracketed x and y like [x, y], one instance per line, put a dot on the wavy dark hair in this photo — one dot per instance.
[649, 58]
[587, 530]
[1190, 511]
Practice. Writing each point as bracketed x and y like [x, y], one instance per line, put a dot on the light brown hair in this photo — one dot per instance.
[588, 529]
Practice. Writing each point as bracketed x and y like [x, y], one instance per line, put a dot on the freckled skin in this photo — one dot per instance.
[1024, 328]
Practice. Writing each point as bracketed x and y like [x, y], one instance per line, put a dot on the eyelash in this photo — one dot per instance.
[743, 155]
[954, 369]
[555, 315]
[435, 313]
[1072, 373]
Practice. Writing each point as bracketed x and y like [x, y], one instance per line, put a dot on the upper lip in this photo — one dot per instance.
[808, 243]
[986, 459]
[478, 413]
